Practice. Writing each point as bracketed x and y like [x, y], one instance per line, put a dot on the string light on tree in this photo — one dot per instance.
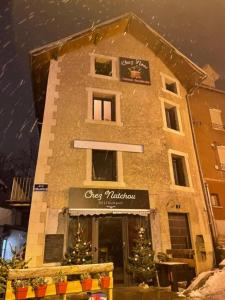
[81, 252]
[141, 263]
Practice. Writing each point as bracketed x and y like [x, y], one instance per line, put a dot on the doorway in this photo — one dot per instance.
[112, 244]
[112, 238]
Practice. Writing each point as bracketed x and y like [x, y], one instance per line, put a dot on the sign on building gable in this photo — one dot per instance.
[134, 70]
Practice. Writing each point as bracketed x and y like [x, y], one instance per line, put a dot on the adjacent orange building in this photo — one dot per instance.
[208, 113]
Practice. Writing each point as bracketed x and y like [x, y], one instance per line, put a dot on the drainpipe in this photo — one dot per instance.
[214, 229]
[203, 183]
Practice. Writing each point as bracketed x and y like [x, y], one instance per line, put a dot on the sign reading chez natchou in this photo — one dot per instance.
[134, 70]
[108, 198]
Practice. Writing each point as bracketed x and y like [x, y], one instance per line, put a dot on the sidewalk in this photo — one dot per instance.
[135, 293]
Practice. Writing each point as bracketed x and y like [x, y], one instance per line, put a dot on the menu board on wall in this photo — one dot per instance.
[53, 248]
[134, 70]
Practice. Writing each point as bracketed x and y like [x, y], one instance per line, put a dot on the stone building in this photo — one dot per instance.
[208, 112]
[116, 148]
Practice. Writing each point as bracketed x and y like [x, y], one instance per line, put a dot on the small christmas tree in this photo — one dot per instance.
[81, 252]
[141, 263]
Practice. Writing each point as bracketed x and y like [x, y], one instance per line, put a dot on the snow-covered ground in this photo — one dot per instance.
[212, 289]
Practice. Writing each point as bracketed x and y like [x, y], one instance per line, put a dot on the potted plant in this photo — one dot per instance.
[21, 287]
[60, 283]
[39, 285]
[104, 280]
[86, 281]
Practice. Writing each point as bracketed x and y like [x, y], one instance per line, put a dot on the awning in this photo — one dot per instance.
[92, 212]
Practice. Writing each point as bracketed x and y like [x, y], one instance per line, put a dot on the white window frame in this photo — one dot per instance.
[103, 92]
[218, 125]
[222, 163]
[114, 66]
[119, 166]
[166, 77]
[188, 173]
[173, 104]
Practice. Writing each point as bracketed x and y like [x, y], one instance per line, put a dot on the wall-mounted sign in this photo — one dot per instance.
[108, 198]
[134, 70]
[53, 248]
[41, 187]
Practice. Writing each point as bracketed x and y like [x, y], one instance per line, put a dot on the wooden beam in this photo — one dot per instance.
[48, 271]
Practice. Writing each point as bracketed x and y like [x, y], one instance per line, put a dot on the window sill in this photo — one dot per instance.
[217, 206]
[182, 188]
[99, 122]
[103, 184]
[171, 93]
[103, 76]
[218, 129]
[174, 131]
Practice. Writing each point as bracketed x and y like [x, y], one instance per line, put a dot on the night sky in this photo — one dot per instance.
[195, 27]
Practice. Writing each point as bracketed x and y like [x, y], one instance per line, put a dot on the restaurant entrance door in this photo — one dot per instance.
[112, 245]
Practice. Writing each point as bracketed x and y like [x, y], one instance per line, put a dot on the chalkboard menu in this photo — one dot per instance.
[53, 248]
[134, 70]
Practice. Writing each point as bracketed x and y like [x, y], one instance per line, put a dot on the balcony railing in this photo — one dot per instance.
[21, 191]
[218, 126]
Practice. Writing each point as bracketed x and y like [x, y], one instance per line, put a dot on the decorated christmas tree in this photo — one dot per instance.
[81, 252]
[141, 264]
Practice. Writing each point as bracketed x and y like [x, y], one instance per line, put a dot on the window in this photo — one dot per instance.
[216, 119]
[179, 170]
[104, 108]
[215, 199]
[221, 153]
[170, 84]
[104, 165]
[103, 66]
[171, 117]
[179, 232]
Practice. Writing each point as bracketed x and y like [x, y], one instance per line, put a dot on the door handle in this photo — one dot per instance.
[95, 249]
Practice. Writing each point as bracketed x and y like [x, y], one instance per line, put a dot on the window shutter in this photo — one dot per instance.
[221, 153]
[215, 115]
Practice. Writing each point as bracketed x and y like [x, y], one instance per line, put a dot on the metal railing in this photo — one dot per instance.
[21, 190]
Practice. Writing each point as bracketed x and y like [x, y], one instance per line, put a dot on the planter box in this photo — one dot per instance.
[61, 287]
[86, 284]
[40, 291]
[21, 293]
[105, 282]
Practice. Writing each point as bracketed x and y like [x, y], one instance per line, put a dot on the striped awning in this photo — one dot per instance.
[92, 212]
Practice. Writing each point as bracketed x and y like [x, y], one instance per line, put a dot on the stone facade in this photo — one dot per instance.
[66, 119]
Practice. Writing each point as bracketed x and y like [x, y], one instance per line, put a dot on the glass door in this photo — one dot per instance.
[111, 245]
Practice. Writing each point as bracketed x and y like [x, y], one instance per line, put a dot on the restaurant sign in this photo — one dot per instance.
[108, 198]
[134, 70]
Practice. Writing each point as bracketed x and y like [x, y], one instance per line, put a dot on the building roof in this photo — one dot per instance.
[212, 77]
[188, 73]
[210, 88]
